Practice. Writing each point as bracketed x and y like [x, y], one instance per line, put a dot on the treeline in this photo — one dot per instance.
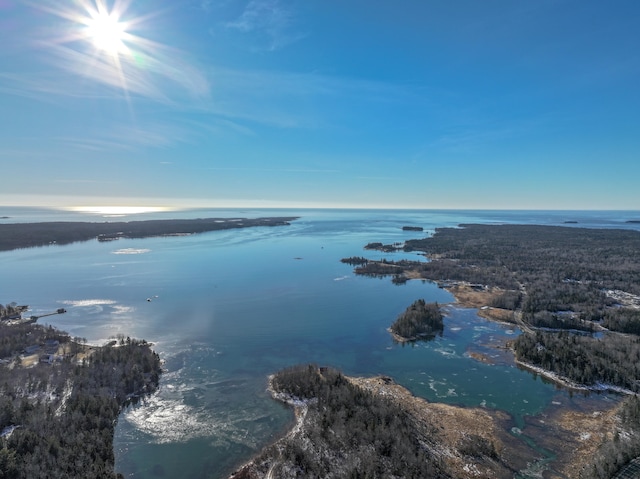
[613, 456]
[613, 360]
[63, 415]
[442, 270]
[351, 432]
[25, 235]
[355, 260]
[386, 248]
[421, 320]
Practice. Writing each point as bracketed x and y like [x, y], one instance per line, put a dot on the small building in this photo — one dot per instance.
[31, 349]
[51, 345]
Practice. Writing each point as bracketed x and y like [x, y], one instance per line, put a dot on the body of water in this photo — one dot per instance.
[225, 309]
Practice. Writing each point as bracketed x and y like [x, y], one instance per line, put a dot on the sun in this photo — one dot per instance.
[106, 31]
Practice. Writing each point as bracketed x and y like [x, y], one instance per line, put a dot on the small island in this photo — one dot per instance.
[412, 228]
[385, 248]
[25, 235]
[419, 321]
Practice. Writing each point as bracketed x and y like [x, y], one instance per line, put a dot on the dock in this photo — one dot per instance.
[58, 311]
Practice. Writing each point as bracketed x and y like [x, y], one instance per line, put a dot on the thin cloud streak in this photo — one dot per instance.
[281, 170]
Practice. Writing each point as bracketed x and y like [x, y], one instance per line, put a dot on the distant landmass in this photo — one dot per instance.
[25, 235]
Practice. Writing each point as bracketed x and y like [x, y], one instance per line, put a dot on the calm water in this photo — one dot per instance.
[230, 307]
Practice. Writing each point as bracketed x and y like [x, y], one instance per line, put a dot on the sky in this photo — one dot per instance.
[492, 104]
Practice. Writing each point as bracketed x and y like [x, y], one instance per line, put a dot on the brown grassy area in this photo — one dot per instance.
[574, 435]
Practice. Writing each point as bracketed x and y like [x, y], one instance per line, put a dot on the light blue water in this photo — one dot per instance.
[230, 307]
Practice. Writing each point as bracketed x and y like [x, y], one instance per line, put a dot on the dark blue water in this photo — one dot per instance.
[228, 308]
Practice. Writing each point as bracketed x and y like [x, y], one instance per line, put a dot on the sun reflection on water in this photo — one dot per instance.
[119, 210]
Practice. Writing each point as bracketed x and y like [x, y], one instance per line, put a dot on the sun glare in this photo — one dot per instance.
[107, 32]
[100, 40]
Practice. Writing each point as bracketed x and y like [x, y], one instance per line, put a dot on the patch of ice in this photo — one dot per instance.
[131, 251]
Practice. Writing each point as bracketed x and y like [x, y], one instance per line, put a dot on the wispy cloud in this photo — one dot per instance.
[161, 77]
[271, 20]
[299, 100]
[129, 137]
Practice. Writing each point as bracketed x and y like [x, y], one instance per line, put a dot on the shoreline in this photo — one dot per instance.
[568, 384]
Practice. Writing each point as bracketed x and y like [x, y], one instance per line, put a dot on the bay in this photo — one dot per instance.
[226, 308]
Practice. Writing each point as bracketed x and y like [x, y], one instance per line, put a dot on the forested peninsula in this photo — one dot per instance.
[374, 428]
[60, 400]
[25, 235]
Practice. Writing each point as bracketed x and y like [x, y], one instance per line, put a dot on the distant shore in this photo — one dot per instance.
[27, 235]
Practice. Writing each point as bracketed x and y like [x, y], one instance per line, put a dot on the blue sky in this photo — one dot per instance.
[424, 104]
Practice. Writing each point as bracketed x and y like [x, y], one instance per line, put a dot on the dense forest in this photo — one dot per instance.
[420, 320]
[24, 235]
[58, 417]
